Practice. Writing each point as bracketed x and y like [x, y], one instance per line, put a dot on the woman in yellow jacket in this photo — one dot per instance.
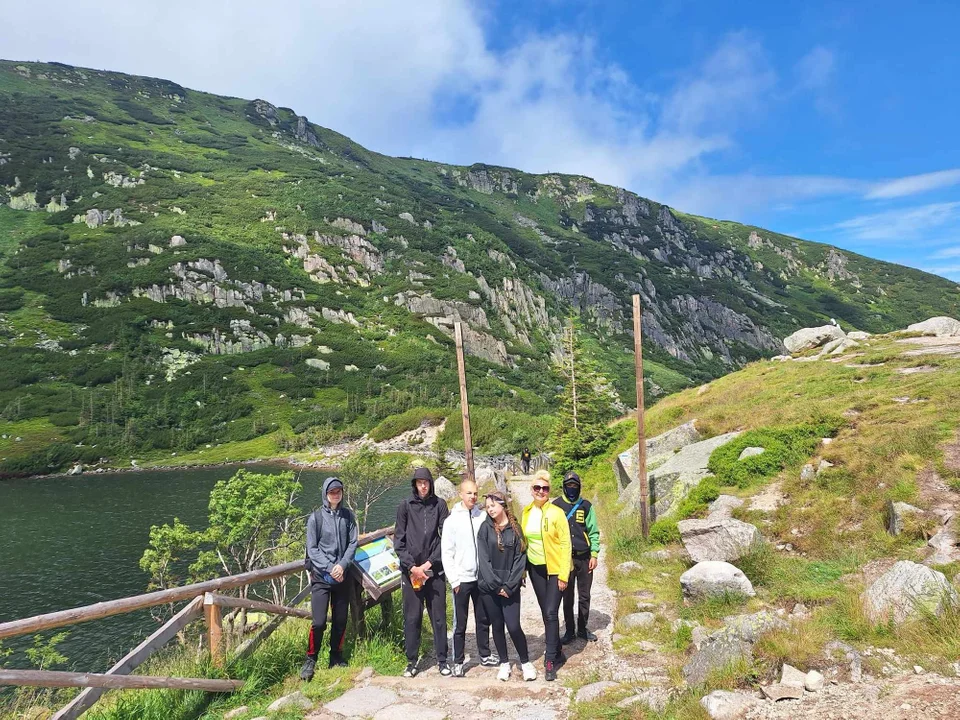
[549, 554]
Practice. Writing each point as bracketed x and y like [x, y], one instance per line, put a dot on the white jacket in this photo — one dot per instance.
[458, 544]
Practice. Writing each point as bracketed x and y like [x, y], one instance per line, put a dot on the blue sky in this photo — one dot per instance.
[834, 121]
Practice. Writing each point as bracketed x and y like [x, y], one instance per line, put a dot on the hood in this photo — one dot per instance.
[573, 493]
[326, 488]
[422, 473]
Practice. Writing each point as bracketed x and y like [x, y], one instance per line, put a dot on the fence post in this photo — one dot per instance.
[211, 612]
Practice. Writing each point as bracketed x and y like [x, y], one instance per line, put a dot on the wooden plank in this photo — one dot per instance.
[56, 678]
[248, 646]
[100, 610]
[211, 612]
[108, 608]
[641, 429]
[234, 602]
[464, 403]
[136, 657]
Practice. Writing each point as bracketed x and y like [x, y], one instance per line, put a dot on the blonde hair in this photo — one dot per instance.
[542, 475]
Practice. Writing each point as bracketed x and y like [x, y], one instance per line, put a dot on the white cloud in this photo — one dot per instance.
[906, 224]
[914, 184]
[815, 70]
[950, 252]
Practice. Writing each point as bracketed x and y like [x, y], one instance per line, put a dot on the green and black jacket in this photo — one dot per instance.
[584, 531]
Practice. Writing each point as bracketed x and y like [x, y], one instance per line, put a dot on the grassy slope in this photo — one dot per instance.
[835, 523]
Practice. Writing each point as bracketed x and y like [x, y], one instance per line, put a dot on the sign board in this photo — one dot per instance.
[378, 565]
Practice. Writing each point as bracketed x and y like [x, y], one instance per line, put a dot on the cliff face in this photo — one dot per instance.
[182, 221]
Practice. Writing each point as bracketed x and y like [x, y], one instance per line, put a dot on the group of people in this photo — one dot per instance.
[484, 553]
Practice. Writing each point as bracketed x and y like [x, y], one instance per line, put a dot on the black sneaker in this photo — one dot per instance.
[411, 670]
[337, 660]
[551, 671]
[568, 637]
[586, 635]
[560, 660]
[306, 672]
[444, 669]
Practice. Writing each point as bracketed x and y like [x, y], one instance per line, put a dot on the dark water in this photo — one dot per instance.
[66, 542]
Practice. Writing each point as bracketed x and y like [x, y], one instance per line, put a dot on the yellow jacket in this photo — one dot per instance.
[556, 539]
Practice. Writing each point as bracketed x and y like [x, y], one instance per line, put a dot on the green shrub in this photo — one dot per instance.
[406, 421]
[11, 300]
[514, 430]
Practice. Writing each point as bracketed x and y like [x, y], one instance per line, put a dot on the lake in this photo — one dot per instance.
[70, 541]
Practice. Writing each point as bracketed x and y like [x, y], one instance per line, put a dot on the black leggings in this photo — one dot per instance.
[433, 594]
[502, 612]
[581, 580]
[548, 596]
[468, 591]
[322, 596]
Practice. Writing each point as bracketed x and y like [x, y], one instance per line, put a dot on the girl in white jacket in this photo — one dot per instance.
[458, 547]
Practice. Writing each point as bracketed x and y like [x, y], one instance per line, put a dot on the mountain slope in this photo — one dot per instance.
[183, 269]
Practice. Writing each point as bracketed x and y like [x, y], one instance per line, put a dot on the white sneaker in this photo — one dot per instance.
[504, 673]
[529, 671]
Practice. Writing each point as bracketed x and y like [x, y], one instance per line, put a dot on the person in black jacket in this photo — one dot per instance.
[331, 546]
[585, 539]
[502, 559]
[416, 540]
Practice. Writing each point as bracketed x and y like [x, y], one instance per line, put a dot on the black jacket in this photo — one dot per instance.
[416, 536]
[499, 569]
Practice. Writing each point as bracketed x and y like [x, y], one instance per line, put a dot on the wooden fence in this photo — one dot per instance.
[206, 600]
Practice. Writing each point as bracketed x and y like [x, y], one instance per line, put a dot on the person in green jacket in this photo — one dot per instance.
[585, 538]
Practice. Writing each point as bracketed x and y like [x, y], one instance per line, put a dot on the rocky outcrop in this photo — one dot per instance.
[486, 180]
[658, 449]
[908, 590]
[205, 282]
[95, 218]
[242, 338]
[937, 326]
[591, 298]
[444, 313]
[809, 338]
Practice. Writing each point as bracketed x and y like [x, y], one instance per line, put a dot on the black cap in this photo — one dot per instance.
[571, 477]
[334, 484]
[422, 473]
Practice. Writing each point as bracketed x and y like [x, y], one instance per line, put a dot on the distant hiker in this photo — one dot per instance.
[458, 545]
[585, 538]
[331, 545]
[525, 461]
[549, 557]
[417, 542]
[502, 552]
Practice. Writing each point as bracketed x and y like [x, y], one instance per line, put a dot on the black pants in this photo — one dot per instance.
[433, 594]
[548, 596]
[505, 612]
[525, 466]
[583, 579]
[322, 596]
[461, 607]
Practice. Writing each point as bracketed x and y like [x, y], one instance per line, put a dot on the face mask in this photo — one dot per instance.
[571, 493]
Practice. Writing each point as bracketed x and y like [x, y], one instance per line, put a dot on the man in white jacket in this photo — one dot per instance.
[458, 546]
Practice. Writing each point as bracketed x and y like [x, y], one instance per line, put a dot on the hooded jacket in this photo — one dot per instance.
[331, 535]
[584, 532]
[499, 570]
[416, 536]
[458, 544]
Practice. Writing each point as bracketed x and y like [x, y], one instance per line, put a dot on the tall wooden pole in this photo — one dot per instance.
[641, 430]
[573, 375]
[211, 612]
[464, 403]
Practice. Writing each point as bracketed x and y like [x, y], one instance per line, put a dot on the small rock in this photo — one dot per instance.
[714, 578]
[780, 691]
[918, 670]
[235, 713]
[293, 700]
[800, 610]
[364, 702]
[594, 690]
[679, 623]
[792, 676]
[750, 452]
[824, 465]
[724, 505]
[807, 473]
[813, 682]
[365, 674]
[726, 705]
[639, 620]
[699, 636]
[657, 555]
[897, 513]
[629, 566]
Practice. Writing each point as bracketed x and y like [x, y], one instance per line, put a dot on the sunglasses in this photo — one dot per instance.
[541, 488]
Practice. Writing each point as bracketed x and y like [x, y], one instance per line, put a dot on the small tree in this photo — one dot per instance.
[587, 403]
[368, 475]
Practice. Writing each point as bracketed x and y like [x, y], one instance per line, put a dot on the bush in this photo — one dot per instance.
[11, 300]
[488, 425]
[406, 421]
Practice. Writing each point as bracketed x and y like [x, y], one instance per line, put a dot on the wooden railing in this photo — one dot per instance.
[206, 601]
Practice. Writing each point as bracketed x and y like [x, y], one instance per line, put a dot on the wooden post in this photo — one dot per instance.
[211, 612]
[386, 612]
[573, 375]
[641, 431]
[57, 678]
[464, 403]
[356, 610]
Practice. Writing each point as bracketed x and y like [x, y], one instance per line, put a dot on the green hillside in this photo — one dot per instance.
[181, 269]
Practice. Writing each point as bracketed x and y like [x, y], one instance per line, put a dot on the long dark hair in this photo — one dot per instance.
[511, 519]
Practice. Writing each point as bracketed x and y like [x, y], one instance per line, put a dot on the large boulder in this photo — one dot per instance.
[658, 448]
[938, 326]
[716, 654]
[726, 705]
[444, 489]
[808, 338]
[713, 578]
[671, 481]
[908, 590]
[718, 538]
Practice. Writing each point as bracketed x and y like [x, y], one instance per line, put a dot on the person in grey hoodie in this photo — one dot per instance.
[331, 546]
[458, 547]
